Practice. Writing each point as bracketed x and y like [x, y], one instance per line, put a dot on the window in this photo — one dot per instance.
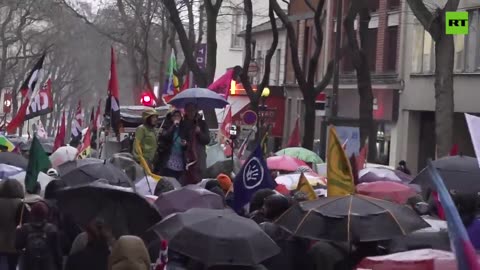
[417, 48]
[459, 63]
[393, 4]
[371, 47]
[278, 62]
[427, 57]
[373, 5]
[391, 52]
[238, 24]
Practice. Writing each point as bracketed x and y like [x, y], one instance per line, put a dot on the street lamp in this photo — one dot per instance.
[262, 108]
[266, 92]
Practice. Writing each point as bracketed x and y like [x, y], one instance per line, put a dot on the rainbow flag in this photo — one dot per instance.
[461, 245]
[172, 83]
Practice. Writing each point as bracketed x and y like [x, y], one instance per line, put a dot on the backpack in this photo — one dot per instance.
[37, 248]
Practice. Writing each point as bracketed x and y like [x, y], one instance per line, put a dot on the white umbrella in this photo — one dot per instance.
[291, 180]
[43, 179]
[146, 185]
[62, 155]
[6, 171]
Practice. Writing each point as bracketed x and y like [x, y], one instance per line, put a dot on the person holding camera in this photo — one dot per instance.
[172, 145]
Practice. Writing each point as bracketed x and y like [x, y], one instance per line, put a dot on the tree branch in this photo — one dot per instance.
[318, 43]
[270, 52]
[293, 42]
[426, 18]
[247, 6]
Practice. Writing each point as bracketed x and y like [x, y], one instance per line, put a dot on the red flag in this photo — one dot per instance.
[60, 137]
[28, 90]
[112, 106]
[294, 140]
[222, 85]
[225, 131]
[86, 142]
[77, 123]
[186, 83]
[41, 102]
[96, 123]
[362, 156]
[454, 150]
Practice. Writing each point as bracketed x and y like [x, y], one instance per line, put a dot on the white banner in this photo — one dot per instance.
[473, 123]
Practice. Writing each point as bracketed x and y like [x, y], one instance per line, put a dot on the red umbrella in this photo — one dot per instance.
[386, 190]
[284, 163]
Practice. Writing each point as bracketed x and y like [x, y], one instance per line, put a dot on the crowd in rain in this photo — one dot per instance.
[109, 214]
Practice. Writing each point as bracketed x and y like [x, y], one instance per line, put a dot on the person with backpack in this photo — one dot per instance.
[38, 241]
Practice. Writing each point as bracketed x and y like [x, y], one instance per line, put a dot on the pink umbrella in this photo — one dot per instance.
[284, 163]
[387, 190]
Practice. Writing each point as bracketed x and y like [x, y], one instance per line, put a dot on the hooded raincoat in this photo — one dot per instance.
[146, 137]
[11, 195]
[129, 253]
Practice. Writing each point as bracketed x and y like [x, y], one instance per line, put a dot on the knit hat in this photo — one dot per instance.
[39, 211]
[225, 182]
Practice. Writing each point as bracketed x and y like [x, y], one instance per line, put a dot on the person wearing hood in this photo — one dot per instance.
[129, 253]
[39, 241]
[11, 195]
[145, 143]
[172, 145]
[198, 137]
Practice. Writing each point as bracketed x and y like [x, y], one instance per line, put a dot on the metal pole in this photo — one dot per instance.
[336, 73]
[332, 102]
[232, 144]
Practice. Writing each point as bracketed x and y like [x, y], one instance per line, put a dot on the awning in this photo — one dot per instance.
[237, 103]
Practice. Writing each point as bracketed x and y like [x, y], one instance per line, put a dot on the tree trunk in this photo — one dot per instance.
[444, 105]
[309, 122]
[211, 45]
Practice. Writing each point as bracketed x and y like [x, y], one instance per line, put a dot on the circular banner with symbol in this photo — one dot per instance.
[253, 173]
[249, 117]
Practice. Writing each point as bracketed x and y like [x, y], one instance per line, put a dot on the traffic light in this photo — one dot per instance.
[148, 99]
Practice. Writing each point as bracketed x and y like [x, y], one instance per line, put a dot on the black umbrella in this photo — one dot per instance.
[350, 219]
[460, 173]
[121, 209]
[217, 237]
[69, 166]
[90, 172]
[13, 159]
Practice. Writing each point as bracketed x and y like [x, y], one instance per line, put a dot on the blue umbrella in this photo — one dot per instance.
[202, 97]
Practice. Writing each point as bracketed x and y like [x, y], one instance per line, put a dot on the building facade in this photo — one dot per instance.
[231, 22]
[415, 133]
[384, 61]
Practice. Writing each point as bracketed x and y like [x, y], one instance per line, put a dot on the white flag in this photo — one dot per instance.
[473, 123]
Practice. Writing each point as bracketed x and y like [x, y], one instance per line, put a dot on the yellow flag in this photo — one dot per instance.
[85, 153]
[143, 162]
[305, 187]
[339, 170]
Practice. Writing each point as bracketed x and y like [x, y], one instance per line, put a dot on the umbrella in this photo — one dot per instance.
[188, 197]
[217, 237]
[303, 169]
[460, 173]
[13, 159]
[411, 260]
[6, 143]
[88, 173]
[350, 218]
[126, 162]
[386, 190]
[284, 163]
[62, 155]
[43, 179]
[74, 164]
[6, 171]
[374, 174]
[146, 185]
[300, 153]
[291, 180]
[202, 97]
[124, 211]
[47, 144]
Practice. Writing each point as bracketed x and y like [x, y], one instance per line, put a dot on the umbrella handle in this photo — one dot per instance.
[21, 215]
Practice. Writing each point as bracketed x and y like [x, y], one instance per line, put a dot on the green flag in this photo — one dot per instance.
[38, 161]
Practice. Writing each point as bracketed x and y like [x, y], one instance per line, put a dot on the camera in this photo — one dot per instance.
[233, 132]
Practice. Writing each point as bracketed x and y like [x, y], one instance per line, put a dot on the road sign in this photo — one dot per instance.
[253, 69]
[249, 117]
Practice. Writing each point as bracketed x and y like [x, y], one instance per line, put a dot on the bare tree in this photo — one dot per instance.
[434, 23]
[360, 63]
[255, 96]
[306, 77]
[212, 8]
